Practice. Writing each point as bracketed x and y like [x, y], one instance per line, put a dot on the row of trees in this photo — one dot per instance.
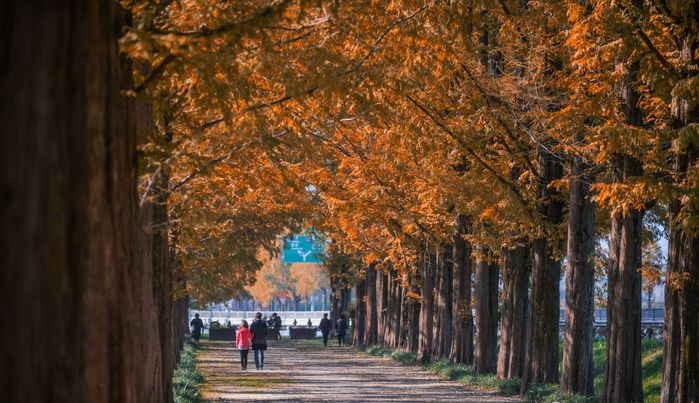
[438, 140]
[431, 140]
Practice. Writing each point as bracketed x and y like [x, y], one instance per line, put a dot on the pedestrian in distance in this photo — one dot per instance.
[243, 340]
[196, 325]
[277, 325]
[259, 340]
[324, 327]
[341, 330]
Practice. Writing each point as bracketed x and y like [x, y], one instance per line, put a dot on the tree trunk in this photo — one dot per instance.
[397, 310]
[380, 305]
[486, 288]
[370, 335]
[445, 315]
[513, 333]
[414, 309]
[438, 305]
[680, 362]
[77, 269]
[681, 349]
[622, 378]
[360, 313]
[387, 319]
[580, 284]
[542, 338]
[462, 328]
[426, 307]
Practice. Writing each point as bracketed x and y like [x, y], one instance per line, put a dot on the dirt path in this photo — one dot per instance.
[304, 371]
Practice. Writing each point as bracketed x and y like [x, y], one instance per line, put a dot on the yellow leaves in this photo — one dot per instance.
[635, 194]
[677, 280]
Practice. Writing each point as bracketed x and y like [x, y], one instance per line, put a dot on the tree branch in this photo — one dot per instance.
[508, 185]
[221, 158]
[154, 73]
[206, 32]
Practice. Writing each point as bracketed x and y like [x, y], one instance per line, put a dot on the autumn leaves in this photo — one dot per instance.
[546, 124]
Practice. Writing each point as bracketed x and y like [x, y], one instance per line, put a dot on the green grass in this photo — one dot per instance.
[652, 360]
[652, 364]
[187, 380]
[404, 357]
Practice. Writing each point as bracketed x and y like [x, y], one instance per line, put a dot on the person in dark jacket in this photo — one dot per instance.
[324, 327]
[341, 330]
[277, 325]
[196, 325]
[259, 340]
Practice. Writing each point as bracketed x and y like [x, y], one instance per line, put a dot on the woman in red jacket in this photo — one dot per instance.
[242, 343]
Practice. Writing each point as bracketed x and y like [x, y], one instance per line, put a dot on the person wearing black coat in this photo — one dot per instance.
[324, 327]
[259, 340]
[341, 330]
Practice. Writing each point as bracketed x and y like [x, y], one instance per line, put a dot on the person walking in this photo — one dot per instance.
[196, 325]
[277, 325]
[341, 330]
[324, 327]
[259, 340]
[243, 340]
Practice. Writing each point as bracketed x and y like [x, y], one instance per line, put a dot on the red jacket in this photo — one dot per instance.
[243, 338]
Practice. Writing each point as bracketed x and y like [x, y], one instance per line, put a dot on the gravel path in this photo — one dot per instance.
[305, 371]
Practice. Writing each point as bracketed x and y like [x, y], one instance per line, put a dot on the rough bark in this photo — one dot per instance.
[542, 340]
[397, 311]
[388, 308]
[462, 318]
[413, 314]
[486, 289]
[380, 305]
[445, 303]
[426, 307]
[681, 349]
[370, 334]
[78, 268]
[513, 328]
[577, 375]
[622, 378]
[360, 313]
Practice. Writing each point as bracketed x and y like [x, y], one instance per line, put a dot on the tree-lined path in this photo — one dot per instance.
[300, 371]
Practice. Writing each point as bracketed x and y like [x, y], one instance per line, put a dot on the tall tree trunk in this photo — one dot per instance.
[438, 304]
[462, 319]
[73, 244]
[425, 329]
[680, 362]
[414, 309]
[370, 336]
[396, 310]
[486, 289]
[360, 312]
[580, 284]
[542, 338]
[380, 305]
[404, 320]
[513, 328]
[445, 315]
[622, 377]
[388, 319]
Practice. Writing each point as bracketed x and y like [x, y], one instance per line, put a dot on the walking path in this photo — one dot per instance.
[305, 371]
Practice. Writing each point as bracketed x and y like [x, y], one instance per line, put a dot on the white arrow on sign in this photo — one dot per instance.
[304, 255]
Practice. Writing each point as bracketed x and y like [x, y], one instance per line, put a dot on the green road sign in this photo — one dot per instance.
[303, 249]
